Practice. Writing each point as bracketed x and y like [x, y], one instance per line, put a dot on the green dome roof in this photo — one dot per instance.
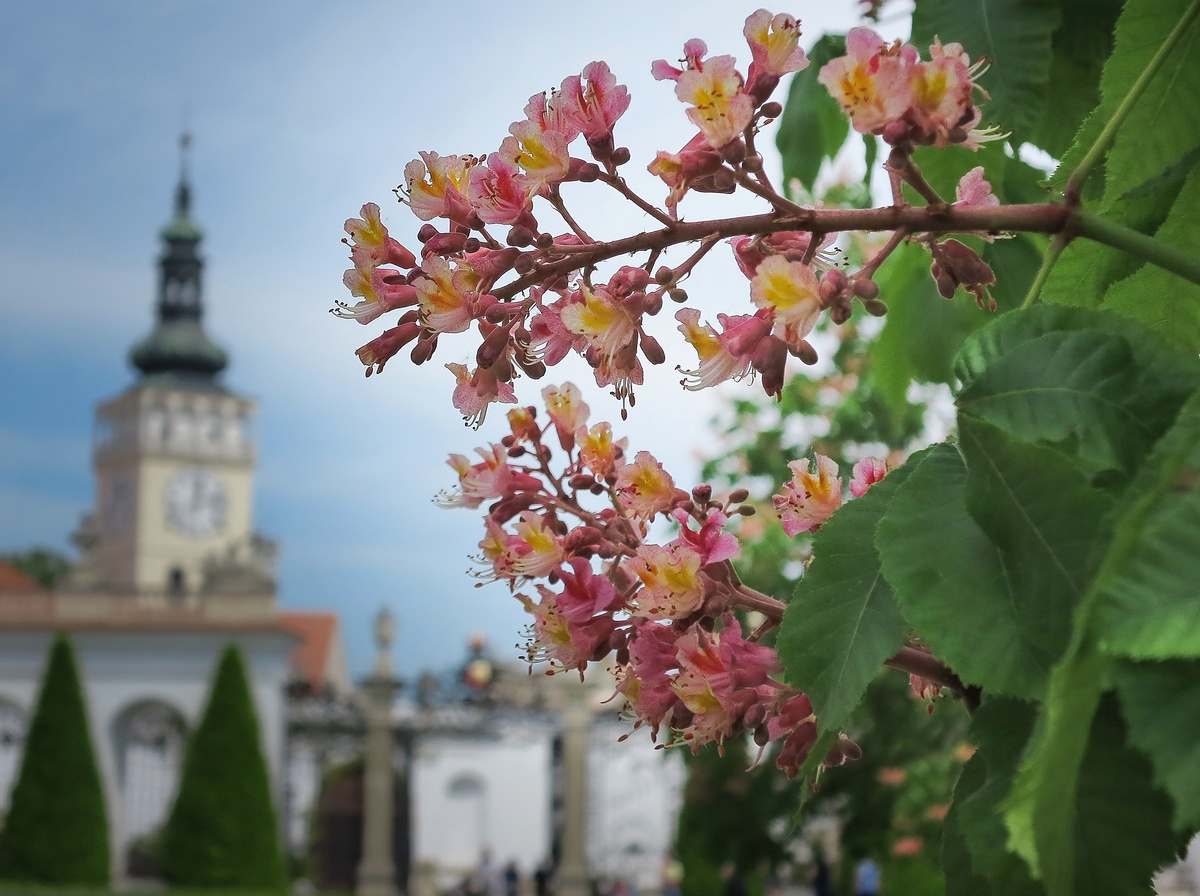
[179, 346]
[181, 228]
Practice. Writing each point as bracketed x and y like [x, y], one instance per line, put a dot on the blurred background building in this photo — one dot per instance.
[171, 570]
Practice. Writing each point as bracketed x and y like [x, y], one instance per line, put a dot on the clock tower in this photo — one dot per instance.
[174, 458]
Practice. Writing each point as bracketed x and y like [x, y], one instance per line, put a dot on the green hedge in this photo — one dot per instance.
[56, 831]
[222, 830]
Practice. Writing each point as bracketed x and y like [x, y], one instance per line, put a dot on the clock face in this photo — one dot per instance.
[196, 502]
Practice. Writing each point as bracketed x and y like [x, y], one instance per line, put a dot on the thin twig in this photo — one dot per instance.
[618, 184]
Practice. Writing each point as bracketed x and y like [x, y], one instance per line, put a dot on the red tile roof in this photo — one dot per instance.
[13, 580]
[310, 659]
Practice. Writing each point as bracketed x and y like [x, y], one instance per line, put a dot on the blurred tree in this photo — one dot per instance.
[222, 831]
[56, 831]
[45, 566]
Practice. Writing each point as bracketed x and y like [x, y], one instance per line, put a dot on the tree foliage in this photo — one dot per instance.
[45, 566]
[56, 830]
[222, 831]
[1046, 551]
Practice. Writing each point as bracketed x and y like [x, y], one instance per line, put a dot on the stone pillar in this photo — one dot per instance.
[377, 871]
[571, 877]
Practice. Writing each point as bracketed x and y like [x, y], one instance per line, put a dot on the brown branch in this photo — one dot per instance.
[618, 183]
[1030, 218]
[929, 667]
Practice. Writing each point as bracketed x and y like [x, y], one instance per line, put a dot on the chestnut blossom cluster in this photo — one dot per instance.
[491, 260]
[529, 286]
[568, 528]
[887, 90]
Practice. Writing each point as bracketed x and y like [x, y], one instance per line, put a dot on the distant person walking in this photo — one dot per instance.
[821, 881]
[512, 879]
[867, 878]
[672, 875]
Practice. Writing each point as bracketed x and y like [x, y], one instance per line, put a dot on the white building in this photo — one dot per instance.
[171, 571]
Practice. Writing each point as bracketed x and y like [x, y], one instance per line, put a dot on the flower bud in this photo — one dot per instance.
[771, 109]
[875, 307]
[664, 276]
[678, 295]
[520, 236]
[734, 151]
[620, 155]
[832, 284]
[702, 493]
[866, 289]
[426, 233]
[806, 353]
[601, 146]
[445, 244]
[423, 350]
[723, 181]
[755, 716]
[652, 350]
[493, 348]
[524, 264]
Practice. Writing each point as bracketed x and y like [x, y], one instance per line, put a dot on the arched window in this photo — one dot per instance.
[13, 723]
[149, 755]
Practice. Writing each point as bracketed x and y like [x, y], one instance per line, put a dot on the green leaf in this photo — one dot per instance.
[1011, 330]
[1039, 816]
[1045, 518]
[1147, 603]
[1082, 44]
[1122, 830]
[1159, 130]
[1076, 90]
[1159, 299]
[922, 332]
[1000, 728]
[1082, 389]
[1040, 811]
[955, 587]
[1159, 700]
[961, 877]
[1100, 825]
[842, 622]
[813, 126]
[1086, 269]
[1104, 827]
[1014, 36]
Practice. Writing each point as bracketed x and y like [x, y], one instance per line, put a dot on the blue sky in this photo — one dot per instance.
[302, 111]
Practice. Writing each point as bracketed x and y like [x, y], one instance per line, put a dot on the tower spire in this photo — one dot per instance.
[178, 347]
[183, 192]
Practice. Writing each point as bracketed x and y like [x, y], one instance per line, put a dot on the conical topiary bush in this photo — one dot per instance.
[222, 828]
[56, 831]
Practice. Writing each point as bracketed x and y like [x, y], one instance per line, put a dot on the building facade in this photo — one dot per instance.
[170, 571]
